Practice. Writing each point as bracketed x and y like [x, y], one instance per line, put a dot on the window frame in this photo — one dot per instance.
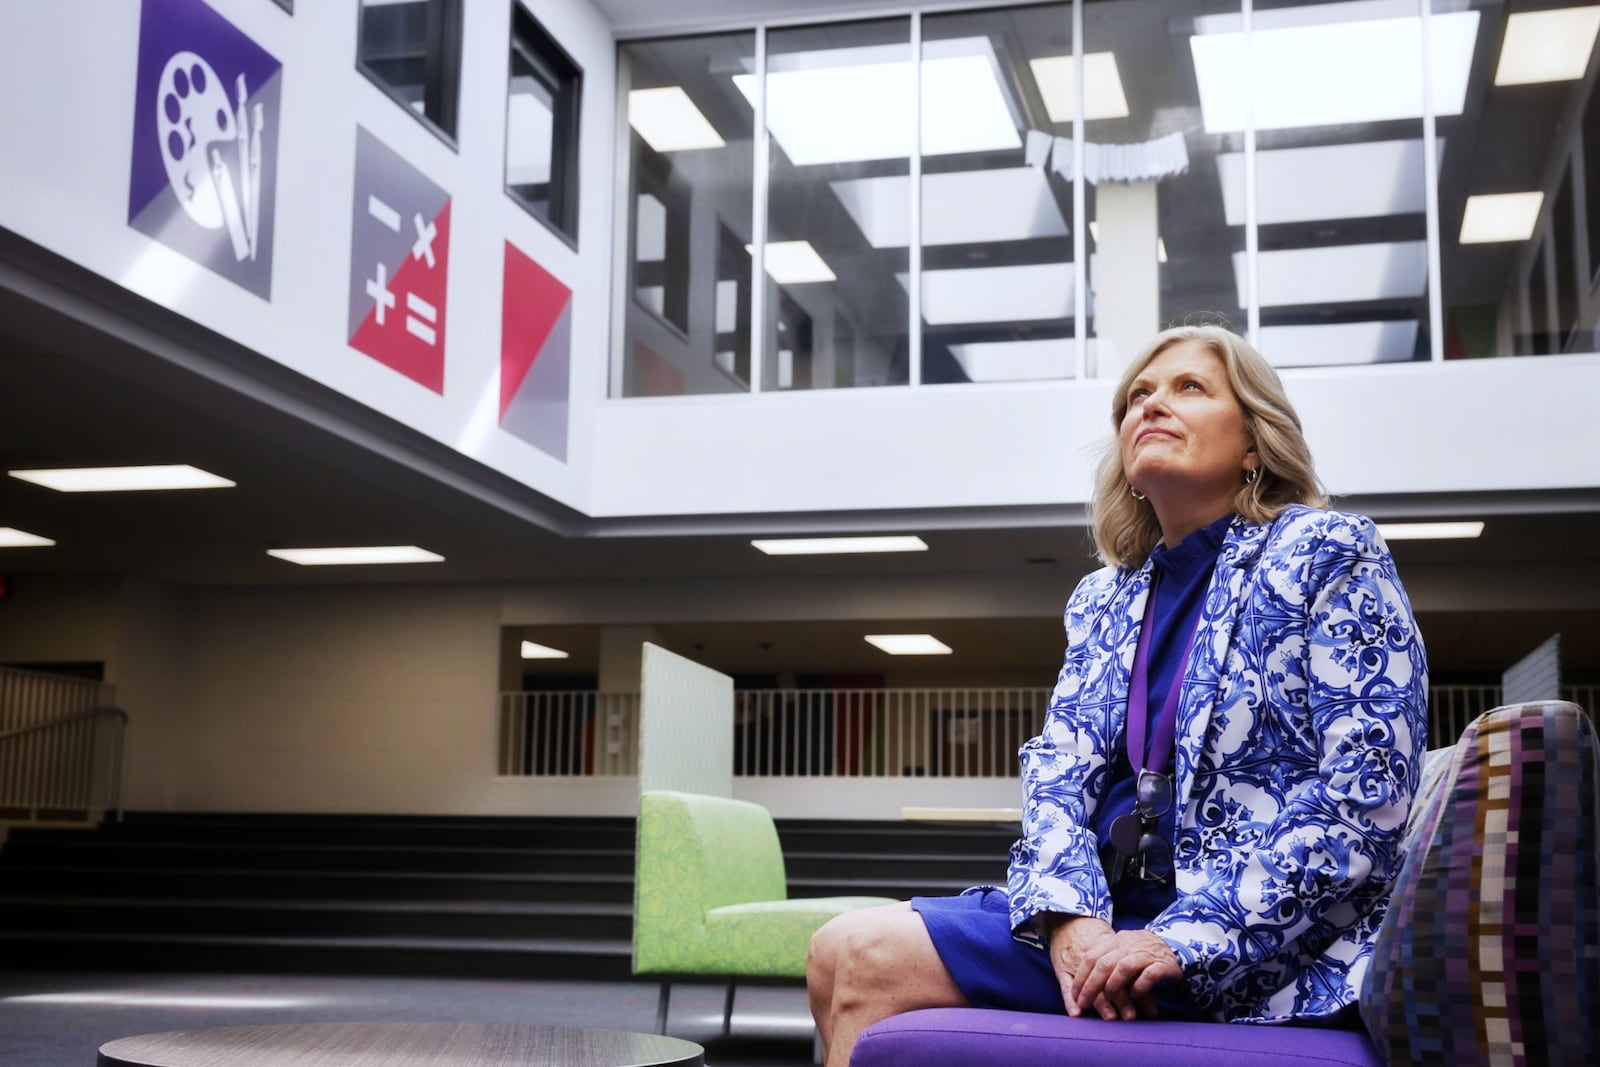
[562, 78]
[441, 69]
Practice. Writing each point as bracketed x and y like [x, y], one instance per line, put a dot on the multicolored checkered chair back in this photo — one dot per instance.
[1490, 952]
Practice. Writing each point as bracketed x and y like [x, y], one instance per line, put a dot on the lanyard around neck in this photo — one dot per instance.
[1139, 698]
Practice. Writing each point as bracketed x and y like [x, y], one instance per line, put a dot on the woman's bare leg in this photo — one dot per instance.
[868, 965]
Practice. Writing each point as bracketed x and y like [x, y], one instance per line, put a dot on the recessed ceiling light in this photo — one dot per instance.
[847, 105]
[14, 538]
[355, 555]
[1547, 46]
[534, 650]
[909, 644]
[1019, 205]
[1023, 292]
[832, 546]
[1500, 217]
[669, 122]
[1332, 274]
[123, 479]
[1310, 184]
[1328, 64]
[1429, 531]
[795, 263]
[1103, 97]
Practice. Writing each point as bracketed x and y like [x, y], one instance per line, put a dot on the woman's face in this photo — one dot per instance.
[1183, 440]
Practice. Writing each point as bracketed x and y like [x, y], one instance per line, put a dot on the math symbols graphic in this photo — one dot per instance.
[399, 263]
[205, 141]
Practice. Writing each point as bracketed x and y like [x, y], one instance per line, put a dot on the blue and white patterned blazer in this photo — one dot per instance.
[1302, 726]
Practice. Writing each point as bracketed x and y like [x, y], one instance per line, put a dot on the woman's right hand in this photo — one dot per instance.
[1114, 973]
[1076, 942]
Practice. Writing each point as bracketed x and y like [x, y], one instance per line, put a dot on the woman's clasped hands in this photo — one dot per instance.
[1110, 972]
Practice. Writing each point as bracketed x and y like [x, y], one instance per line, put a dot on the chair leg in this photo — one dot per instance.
[661, 1007]
[727, 1010]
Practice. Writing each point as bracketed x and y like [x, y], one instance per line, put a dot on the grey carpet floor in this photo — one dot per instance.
[60, 1020]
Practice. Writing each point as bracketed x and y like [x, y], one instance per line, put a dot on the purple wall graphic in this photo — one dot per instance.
[205, 141]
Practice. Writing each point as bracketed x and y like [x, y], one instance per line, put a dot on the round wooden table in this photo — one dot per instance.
[400, 1045]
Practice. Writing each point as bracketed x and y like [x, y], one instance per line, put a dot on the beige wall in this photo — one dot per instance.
[297, 700]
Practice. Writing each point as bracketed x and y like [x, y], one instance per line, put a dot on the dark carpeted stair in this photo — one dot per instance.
[426, 895]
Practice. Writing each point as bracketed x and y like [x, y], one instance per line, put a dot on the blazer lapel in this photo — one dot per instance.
[1219, 621]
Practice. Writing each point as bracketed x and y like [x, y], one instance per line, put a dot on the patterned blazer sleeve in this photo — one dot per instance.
[1055, 864]
[1312, 759]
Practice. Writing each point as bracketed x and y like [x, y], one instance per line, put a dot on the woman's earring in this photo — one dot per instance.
[1135, 493]
[1251, 475]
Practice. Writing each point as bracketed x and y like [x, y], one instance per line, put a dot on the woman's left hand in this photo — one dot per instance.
[1125, 971]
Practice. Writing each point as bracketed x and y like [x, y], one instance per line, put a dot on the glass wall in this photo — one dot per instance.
[688, 202]
[1519, 184]
[996, 204]
[1340, 186]
[839, 109]
[1336, 180]
[1162, 185]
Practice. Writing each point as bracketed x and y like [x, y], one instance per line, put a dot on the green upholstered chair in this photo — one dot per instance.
[711, 899]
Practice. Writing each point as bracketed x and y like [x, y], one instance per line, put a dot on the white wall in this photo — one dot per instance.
[67, 76]
[1461, 426]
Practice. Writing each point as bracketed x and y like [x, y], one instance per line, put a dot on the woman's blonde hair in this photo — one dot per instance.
[1125, 528]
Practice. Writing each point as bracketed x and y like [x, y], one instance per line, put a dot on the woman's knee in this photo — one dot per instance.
[893, 950]
[829, 942]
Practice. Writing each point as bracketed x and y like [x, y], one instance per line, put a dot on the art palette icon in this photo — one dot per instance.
[205, 141]
[199, 131]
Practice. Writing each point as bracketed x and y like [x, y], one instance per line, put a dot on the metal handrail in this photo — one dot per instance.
[114, 763]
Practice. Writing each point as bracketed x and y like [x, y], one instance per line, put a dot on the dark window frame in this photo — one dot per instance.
[441, 69]
[562, 78]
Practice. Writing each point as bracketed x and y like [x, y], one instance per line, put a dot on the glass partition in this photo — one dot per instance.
[1519, 184]
[996, 203]
[1166, 225]
[685, 320]
[1336, 97]
[839, 123]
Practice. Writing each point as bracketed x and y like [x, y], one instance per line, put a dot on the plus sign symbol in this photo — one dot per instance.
[399, 260]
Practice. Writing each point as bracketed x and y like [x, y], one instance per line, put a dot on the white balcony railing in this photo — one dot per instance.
[849, 733]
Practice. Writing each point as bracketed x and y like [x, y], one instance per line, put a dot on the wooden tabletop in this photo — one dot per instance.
[400, 1045]
[986, 815]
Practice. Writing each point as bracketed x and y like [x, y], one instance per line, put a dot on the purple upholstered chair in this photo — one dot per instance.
[1489, 954]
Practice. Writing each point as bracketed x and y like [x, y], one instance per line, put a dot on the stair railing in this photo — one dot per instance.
[64, 769]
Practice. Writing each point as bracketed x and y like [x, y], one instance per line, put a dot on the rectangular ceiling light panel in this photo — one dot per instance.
[795, 263]
[1102, 86]
[367, 555]
[1018, 361]
[846, 105]
[1547, 46]
[669, 122]
[1500, 217]
[909, 644]
[534, 650]
[123, 479]
[1393, 270]
[1430, 531]
[830, 546]
[1369, 179]
[1033, 292]
[1017, 205]
[1318, 66]
[1340, 344]
[10, 537]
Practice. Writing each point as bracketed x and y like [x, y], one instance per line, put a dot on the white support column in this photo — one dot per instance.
[1128, 306]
